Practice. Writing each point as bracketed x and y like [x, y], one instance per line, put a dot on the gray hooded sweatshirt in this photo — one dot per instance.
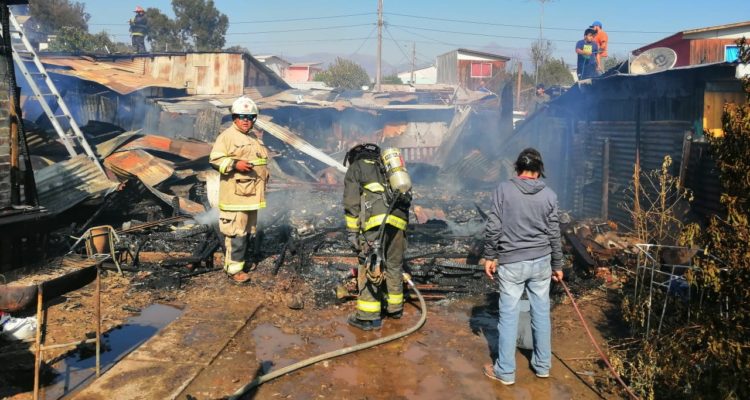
[523, 223]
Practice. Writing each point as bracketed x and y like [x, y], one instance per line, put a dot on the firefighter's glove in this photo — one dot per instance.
[243, 166]
[353, 238]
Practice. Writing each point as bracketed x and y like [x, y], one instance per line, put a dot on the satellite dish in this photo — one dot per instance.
[653, 60]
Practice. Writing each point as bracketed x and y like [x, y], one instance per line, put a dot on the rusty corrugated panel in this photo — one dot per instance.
[106, 148]
[67, 183]
[183, 148]
[138, 163]
[135, 65]
[297, 142]
[105, 73]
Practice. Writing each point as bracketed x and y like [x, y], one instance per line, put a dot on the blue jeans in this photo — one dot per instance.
[534, 276]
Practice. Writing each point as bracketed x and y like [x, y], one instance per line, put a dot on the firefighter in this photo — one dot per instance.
[241, 159]
[371, 228]
[139, 30]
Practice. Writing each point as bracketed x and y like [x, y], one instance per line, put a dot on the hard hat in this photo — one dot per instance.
[244, 105]
[139, 9]
[596, 23]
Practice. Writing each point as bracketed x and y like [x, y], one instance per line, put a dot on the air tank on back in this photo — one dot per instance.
[395, 170]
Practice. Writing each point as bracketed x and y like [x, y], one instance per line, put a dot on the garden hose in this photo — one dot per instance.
[327, 356]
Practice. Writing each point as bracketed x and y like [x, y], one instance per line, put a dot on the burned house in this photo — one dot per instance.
[593, 135]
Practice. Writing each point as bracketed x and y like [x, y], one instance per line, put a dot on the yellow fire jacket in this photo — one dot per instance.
[240, 191]
[365, 204]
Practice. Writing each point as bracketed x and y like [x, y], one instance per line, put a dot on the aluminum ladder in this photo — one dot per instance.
[38, 80]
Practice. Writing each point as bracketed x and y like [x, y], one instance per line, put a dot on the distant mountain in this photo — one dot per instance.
[368, 62]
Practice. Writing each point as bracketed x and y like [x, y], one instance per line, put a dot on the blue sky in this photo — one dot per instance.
[506, 26]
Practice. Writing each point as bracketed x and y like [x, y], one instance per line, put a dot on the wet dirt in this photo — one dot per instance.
[443, 360]
[78, 368]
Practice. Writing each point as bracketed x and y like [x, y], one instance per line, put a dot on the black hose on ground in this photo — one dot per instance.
[336, 353]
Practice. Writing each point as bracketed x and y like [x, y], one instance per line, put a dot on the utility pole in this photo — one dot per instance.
[413, 61]
[378, 71]
[541, 50]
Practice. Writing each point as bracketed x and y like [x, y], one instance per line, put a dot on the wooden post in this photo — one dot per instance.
[98, 301]
[518, 86]
[605, 181]
[38, 353]
[687, 142]
[637, 165]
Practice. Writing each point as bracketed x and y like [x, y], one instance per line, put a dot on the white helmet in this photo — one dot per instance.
[244, 105]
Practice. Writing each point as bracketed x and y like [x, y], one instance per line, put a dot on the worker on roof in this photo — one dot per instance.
[139, 29]
[241, 159]
[367, 201]
[602, 41]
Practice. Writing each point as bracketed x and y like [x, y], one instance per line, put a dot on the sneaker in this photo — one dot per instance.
[240, 277]
[542, 375]
[490, 373]
[365, 325]
[395, 315]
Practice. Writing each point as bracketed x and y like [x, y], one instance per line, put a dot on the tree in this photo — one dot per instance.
[612, 61]
[50, 16]
[554, 72]
[163, 32]
[73, 39]
[540, 52]
[344, 74]
[392, 80]
[201, 24]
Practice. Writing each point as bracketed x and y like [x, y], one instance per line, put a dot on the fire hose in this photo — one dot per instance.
[598, 349]
[336, 353]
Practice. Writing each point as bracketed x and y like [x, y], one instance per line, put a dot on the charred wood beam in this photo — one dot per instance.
[579, 250]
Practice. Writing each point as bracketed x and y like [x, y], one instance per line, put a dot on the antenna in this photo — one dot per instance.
[653, 60]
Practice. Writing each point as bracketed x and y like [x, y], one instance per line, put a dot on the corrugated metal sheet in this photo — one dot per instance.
[703, 178]
[108, 74]
[447, 68]
[67, 183]
[298, 143]
[138, 163]
[183, 148]
[658, 138]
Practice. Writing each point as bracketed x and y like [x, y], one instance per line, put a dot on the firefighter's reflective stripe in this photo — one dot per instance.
[368, 306]
[395, 298]
[233, 267]
[352, 222]
[242, 207]
[374, 187]
[259, 161]
[377, 220]
[225, 165]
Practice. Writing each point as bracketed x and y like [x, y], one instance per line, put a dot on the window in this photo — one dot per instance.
[731, 53]
[481, 70]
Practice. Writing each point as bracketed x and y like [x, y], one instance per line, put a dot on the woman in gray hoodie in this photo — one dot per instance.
[522, 248]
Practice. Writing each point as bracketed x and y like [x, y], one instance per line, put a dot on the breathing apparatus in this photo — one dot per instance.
[391, 164]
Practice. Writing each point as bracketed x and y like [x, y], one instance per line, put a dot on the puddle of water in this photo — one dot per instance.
[77, 370]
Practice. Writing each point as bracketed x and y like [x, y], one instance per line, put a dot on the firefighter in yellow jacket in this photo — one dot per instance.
[366, 205]
[241, 158]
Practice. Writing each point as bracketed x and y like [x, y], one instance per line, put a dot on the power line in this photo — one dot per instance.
[493, 36]
[273, 20]
[364, 41]
[512, 25]
[301, 29]
[388, 31]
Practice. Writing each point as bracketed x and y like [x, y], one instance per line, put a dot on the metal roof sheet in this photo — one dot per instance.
[67, 183]
[122, 76]
[138, 163]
